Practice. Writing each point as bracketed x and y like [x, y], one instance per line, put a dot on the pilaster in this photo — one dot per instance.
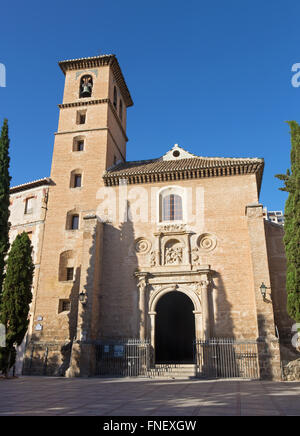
[88, 308]
[268, 346]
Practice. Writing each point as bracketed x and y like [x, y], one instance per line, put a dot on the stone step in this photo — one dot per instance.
[175, 365]
[170, 375]
[173, 370]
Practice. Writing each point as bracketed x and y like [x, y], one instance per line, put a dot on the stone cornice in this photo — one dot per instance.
[83, 103]
[65, 132]
[166, 272]
[29, 224]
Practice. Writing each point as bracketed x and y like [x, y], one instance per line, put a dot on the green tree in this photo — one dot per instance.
[292, 224]
[4, 199]
[16, 298]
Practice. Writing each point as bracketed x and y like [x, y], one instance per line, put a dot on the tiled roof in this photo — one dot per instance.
[157, 170]
[30, 185]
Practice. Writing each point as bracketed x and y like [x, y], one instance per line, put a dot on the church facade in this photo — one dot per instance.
[168, 250]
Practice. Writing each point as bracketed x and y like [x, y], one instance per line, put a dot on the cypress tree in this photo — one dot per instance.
[16, 298]
[4, 199]
[292, 224]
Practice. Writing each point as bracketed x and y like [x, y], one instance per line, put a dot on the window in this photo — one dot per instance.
[29, 205]
[172, 208]
[76, 178]
[78, 144]
[77, 181]
[86, 86]
[66, 266]
[70, 273]
[81, 117]
[75, 222]
[64, 306]
[121, 109]
[115, 97]
[171, 204]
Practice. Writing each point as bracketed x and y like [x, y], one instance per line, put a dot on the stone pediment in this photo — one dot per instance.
[177, 153]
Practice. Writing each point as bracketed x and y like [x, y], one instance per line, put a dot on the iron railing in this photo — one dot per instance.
[123, 358]
[226, 358]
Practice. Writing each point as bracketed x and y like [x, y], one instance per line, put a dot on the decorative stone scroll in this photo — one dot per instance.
[196, 260]
[153, 258]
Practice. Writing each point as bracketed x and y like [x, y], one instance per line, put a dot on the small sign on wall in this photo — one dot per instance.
[119, 350]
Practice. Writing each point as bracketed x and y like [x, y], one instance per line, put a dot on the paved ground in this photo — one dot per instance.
[143, 397]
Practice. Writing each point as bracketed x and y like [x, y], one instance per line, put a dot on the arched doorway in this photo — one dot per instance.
[174, 328]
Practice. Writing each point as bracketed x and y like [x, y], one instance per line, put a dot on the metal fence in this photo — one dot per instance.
[226, 358]
[124, 358]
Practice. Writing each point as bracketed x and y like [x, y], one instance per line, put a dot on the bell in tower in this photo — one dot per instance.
[86, 86]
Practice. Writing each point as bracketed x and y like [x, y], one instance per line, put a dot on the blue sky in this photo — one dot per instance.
[214, 77]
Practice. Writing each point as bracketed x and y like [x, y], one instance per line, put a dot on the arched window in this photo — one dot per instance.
[115, 97]
[86, 86]
[66, 266]
[172, 208]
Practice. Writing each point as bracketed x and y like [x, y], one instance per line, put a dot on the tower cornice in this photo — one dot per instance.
[93, 102]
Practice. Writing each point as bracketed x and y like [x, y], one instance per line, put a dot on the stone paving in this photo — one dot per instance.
[145, 397]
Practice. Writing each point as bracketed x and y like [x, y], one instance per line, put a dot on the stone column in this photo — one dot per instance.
[152, 335]
[142, 285]
[268, 346]
[205, 309]
[198, 325]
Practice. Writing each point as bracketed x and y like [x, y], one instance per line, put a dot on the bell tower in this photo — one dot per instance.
[94, 107]
[91, 137]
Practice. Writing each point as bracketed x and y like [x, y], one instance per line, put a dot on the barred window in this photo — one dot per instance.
[172, 208]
